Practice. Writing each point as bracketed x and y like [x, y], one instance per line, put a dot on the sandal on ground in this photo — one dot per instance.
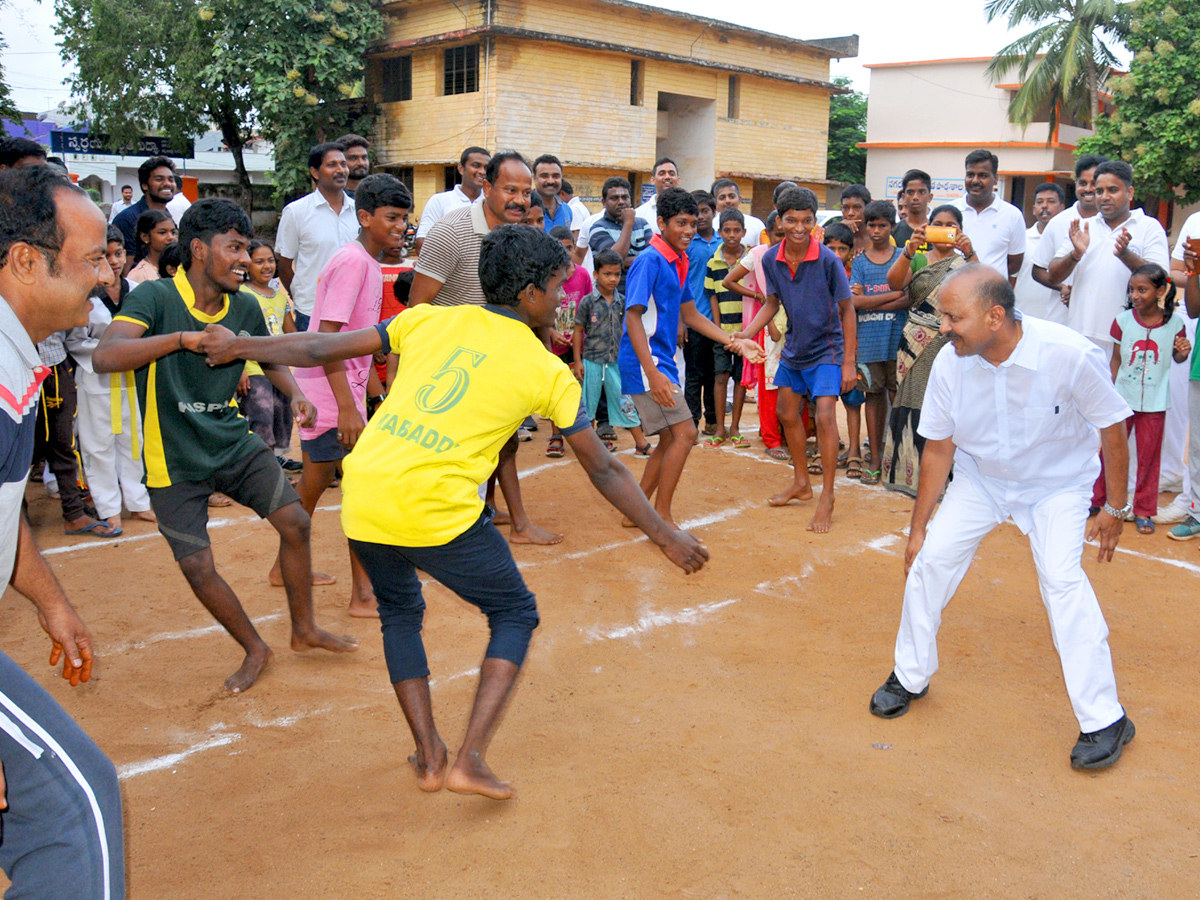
[554, 447]
[779, 453]
[96, 530]
[216, 498]
[643, 450]
[815, 467]
[1145, 525]
[843, 458]
[854, 467]
[739, 441]
[710, 429]
[872, 476]
[607, 433]
[610, 446]
[715, 442]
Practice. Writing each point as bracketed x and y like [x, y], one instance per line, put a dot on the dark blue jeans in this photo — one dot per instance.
[477, 565]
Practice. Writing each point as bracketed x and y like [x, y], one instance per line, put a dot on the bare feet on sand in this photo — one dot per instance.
[363, 607]
[626, 522]
[431, 775]
[471, 775]
[531, 534]
[145, 515]
[252, 667]
[823, 517]
[319, 639]
[320, 579]
[501, 518]
[795, 492]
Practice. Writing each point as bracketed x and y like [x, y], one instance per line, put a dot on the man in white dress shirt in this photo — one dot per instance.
[1101, 253]
[1016, 409]
[729, 196]
[665, 175]
[472, 168]
[1032, 297]
[996, 227]
[1084, 207]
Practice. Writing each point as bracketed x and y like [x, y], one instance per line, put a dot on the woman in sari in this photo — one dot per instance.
[922, 268]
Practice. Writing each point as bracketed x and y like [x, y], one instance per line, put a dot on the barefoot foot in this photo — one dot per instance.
[471, 775]
[363, 607]
[795, 492]
[320, 579]
[252, 667]
[430, 775]
[822, 517]
[531, 534]
[501, 518]
[319, 639]
[145, 515]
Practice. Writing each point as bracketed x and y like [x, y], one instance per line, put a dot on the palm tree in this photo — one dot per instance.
[1064, 62]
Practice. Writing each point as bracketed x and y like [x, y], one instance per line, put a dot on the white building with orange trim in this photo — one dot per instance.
[930, 114]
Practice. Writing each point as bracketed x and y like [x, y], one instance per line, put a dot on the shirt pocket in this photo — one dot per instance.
[1041, 424]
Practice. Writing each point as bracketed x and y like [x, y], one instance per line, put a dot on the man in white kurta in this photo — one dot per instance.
[1016, 407]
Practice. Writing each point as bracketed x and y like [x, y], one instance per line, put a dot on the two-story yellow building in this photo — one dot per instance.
[608, 86]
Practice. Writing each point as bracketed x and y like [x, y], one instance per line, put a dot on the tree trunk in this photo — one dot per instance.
[231, 133]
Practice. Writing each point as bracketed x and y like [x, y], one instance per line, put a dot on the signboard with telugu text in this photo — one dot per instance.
[97, 145]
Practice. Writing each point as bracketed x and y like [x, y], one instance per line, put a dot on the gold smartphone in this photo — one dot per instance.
[940, 234]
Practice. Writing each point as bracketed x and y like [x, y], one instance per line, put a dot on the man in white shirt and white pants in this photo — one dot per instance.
[1016, 409]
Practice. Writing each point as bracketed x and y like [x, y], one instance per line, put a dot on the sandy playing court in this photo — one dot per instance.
[670, 736]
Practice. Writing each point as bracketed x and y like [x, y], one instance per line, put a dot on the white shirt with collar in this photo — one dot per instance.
[649, 212]
[1190, 230]
[440, 204]
[1100, 285]
[118, 207]
[1028, 428]
[996, 233]
[1056, 229]
[177, 206]
[1034, 299]
[310, 232]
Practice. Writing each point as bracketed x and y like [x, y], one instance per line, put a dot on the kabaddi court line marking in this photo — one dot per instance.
[650, 620]
[130, 770]
[187, 634]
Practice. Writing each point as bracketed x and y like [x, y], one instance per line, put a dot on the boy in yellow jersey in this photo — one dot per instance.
[467, 377]
[194, 439]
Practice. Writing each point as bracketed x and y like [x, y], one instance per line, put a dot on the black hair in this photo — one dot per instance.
[207, 218]
[781, 187]
[466, 154]
[732, 215]
[615, 181]
[916, 175]
[402, 285]
[606, 257]
[171, 257]
[501, 157]
[547, 158]
[316, 155]
[353, 140]
[566, 188]
[975, 157]
[1052, 188]
[1122, 170]
[15, 149]
[561, 233]
[840, 233]
[29, 213]
[1157, 276]
[125, 187]
[1088, 161]
[858, 191]
[705, 198]
[948, 208]
[772, 218]
[880, 209]
[513, 257]
[148, 221]
[724, 183]
[379, 190]
[665, 159]
[676, 201]
[535, 199]
[258, 244]
[796, 198]
[146, 169]
[114, 234]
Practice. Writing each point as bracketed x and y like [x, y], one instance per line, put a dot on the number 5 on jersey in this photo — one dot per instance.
[452, 390]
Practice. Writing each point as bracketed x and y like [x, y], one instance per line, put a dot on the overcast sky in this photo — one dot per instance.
[888, 32]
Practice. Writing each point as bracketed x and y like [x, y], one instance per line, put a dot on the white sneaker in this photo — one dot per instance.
[1172, 513]
[524, 435]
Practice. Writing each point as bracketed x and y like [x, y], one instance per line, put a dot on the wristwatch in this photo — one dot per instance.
[1121, 513]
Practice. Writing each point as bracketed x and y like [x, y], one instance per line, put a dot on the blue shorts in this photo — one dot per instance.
[325, 447]
[818, 381]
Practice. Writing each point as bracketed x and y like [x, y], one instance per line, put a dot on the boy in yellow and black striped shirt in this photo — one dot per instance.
[727, 312]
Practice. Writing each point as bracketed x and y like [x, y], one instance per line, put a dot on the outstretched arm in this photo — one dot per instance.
[619, 488]
[123, 348]
[304, 349]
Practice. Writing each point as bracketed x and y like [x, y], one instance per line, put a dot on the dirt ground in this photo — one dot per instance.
[670, 736]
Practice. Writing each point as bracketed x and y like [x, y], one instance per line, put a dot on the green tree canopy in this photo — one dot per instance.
[847, 161]
[1064, 61]
[1156, 125]
[8, 106]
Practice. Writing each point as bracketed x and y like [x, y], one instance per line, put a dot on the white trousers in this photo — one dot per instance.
[1076, 622]
[108, 461]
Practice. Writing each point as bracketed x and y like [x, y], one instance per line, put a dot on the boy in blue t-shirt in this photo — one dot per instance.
[808, 280]
[656, 297]
[882, 314]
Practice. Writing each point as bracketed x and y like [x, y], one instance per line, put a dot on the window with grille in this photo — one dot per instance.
[637, 83]
[460, 72]
[397, 79]
[735, 97]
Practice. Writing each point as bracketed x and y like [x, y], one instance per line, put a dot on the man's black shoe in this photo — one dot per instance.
[289, 465]
[1102, 748]
[892, 700]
